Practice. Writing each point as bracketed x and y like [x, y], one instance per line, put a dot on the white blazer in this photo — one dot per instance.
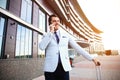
[52, 51]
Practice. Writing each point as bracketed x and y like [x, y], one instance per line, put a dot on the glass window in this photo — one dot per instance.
[41, 20]
[42, 26]
[26, 10]
[23, 42]
[41, 53]
[3, 3]
[2, 24]
[24, 35]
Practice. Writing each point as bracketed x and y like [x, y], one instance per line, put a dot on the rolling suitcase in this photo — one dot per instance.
[98, 73]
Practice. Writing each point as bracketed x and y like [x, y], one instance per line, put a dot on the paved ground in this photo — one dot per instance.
[86, 70]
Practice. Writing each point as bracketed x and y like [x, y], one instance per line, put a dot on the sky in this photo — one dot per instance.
[105, 15]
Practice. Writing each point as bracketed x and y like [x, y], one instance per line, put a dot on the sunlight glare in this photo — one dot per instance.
[105, 15]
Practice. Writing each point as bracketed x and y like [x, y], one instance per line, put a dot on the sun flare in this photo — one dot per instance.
[105, 15]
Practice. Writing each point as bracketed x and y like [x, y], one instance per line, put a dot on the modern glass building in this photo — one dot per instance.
[22, 24]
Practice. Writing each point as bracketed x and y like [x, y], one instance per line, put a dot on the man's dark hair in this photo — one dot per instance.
[50, 18]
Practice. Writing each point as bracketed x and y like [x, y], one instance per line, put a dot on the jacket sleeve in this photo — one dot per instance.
[80, 50]
[45, 40]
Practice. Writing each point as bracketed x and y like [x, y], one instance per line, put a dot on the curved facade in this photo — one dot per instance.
[22, 23]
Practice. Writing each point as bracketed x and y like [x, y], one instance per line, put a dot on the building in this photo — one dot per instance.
[22, 23]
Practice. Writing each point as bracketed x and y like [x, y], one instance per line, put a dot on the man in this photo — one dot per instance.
[55, 43]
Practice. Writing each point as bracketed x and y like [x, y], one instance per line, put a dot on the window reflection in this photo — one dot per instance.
[24, 35]
[3, 3]
[42, 25]
[26, 10]
[41, 53]
[2, 21]
[41, 20]
[23, 42]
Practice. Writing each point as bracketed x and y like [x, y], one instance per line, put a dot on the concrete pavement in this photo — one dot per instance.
[86, 70]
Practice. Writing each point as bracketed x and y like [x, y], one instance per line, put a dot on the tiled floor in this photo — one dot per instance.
[86, 70]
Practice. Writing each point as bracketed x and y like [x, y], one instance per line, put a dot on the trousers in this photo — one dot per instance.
[58, 74]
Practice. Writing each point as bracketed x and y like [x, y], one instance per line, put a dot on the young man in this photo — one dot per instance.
[55, 43]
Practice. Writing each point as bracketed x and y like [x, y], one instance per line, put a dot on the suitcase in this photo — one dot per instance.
[98, 73]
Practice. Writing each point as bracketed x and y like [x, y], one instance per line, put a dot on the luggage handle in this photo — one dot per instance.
[98, 72]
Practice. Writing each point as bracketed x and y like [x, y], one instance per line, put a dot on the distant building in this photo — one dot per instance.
[114, 52]
[111, 52]
[22, 23]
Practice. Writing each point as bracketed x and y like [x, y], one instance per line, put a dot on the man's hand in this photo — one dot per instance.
[52, 27]
[96, 62]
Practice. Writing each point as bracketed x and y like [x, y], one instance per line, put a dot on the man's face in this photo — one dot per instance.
[56, 22]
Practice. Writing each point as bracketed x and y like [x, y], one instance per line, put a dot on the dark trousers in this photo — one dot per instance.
[59, 74]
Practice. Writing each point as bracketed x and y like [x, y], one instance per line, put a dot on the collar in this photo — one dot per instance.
[58, 32]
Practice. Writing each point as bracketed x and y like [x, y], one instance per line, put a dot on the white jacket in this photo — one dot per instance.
[52, 50]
